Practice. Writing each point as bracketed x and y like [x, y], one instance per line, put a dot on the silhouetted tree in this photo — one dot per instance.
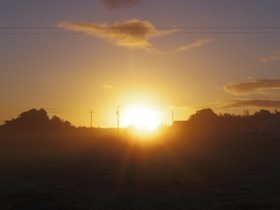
[58, 123]
[204, 122]
[32, 119]
[263, 115]
[203, 116]
[36, 120]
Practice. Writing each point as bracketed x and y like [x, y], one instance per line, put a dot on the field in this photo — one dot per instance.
[90, 171]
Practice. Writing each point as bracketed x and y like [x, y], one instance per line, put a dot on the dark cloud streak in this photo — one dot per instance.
[258, 103]
[252, 87]
[117, 4]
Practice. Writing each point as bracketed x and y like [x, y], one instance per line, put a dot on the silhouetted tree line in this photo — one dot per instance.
[207, 122]
[35, 120]
[203, 122]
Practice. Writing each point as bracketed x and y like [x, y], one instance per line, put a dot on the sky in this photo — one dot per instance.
[70, 57]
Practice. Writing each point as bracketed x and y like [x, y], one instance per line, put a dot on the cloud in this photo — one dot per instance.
[194, 45]
[133, 33]
[182, 107]
[116, 4]
[258, 103]
[107, 86]
[252, 87]
[272, 58]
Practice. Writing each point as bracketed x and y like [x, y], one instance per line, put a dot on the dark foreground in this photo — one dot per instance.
[84, 173]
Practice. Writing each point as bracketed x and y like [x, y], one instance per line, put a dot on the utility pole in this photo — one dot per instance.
[118, 119]
[172, 117]
[91, 113]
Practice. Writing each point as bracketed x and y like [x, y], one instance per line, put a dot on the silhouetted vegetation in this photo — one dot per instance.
[35, 121]
[206, 122]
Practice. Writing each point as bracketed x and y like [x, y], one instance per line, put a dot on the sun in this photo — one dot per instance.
[141, 118]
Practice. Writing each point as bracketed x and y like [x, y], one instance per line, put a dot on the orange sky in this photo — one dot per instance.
[71, 57]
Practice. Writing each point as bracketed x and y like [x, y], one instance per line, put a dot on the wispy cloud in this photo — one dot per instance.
[107, 86]
[133, 33]
[116, 4]
[194, 45]
[253, 87]
[272, 58]
[257, 103]
[182, 107]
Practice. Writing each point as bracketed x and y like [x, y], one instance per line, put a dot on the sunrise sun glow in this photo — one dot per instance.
[141, 118]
